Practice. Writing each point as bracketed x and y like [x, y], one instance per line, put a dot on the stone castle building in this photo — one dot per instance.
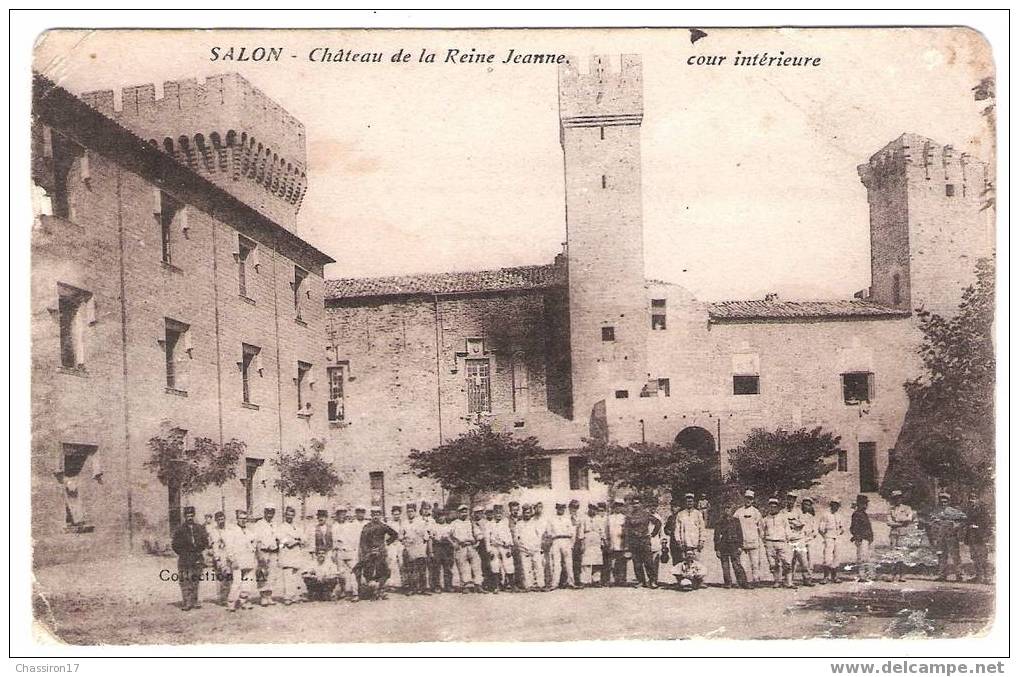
[196, 304]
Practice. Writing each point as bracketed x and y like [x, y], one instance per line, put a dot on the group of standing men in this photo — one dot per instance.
[360, 555]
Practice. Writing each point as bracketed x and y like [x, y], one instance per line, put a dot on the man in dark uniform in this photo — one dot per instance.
[637, 535]
[373, 563]
[190, 541]
[976, 533]
[675, 505]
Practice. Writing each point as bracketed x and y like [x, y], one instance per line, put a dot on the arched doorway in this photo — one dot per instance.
[705, 475]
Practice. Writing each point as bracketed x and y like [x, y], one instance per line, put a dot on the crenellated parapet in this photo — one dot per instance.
[225, 129]
[925, 159]
[609, 92]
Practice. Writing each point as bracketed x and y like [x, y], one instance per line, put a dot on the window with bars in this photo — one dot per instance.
[479, 392]
[337, 375]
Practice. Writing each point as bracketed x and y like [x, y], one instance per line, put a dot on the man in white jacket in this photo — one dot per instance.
[831, 526]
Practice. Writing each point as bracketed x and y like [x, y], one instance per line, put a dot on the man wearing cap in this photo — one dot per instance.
[750, 525]
[239, 549]
[615, 545]
[394, 551]
[943, 532]
[480, 518]
[290, 556]
[416, 536]
[797, 537]
[431, 564]
[219, 559]
[527, 537]
[268, 549]
[576, 517]
[500, 548]
[540, 519]
[373, 559]
[190, 541]
[728, 546]
[690, 532]
[591, 539]
[775, 532]
[465, 542]
[561, 532]
[346, 533]
[862, 535]
[976, 533]
[639, 530]
[831, 526]
[901, 520]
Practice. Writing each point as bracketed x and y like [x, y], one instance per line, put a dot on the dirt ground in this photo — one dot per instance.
[126, 602]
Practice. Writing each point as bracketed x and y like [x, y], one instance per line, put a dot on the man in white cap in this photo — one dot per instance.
[239, 552]
[615, 545]
[797, 537]
[832, 527]
[561, 532]
[465, 543]
[268, 550]
[500, 549]
[527, 537]
[750, 524]
[901, 519]
[775, 532]
[415, 534]
[346, 533]
[690, 533]
[291, 559]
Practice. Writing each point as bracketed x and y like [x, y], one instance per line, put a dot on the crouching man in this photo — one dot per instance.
[689, 573]
[321, 577]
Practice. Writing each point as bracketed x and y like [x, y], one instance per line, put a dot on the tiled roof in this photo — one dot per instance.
[782, 310]
[498, 280]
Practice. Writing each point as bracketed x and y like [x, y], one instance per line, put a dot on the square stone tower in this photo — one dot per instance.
[600, 113]
[225, 129]
[929, 223]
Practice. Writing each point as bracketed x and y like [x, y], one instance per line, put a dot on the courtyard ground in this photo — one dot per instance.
[125, 602]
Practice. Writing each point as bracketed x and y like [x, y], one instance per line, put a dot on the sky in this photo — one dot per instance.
[749, 173]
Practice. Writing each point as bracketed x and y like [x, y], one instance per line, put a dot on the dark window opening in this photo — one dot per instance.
[608, 333]
[251, 466]
[746, 385]
[539, 472]
[663, 386]
[603, 182]
[250, 359]
[479, 394]
[65, 152]
[857, 387]
[579, 476]
[657, 303]
[843, 461]
[622, 394]
[868, 466]
[299, 277]
[174, 345]
[303, 381]
[74, 458]
[245, 248]
[657, 322]
[949, 190]
[169, 212]
[72, 310]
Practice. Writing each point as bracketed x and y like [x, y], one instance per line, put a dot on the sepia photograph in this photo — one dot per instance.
[541, 335]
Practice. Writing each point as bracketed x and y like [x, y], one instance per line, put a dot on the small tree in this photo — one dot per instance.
[479, 461]
[190, 471]
[654, 468]
[303, 473]
[774, 462]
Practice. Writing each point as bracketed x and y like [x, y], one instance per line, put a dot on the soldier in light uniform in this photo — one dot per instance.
[527, 535]
[416, 536]
[775, 531]
[291, 556]
[615, 545]
[591, 538]
[690, 533]
[750, 524]
[577, 518]
[268, 555]
[796, 537]
[346, 536]
[431, 564]
[560, 532]
[500, 549]
[394, 551]
[809, 519]
[901, 521]
[541, 519]
[463, 536]
[219, 560]
[831, 526]
[239, 549]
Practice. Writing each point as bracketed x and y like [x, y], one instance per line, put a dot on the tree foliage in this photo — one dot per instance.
[479, 461]
[303, 473]
[772, 462]
[648, 468]
[949, 429]
[192, 470]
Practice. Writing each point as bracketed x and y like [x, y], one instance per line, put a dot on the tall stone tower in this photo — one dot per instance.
[225, 129]
[600, 113]
[928, 224]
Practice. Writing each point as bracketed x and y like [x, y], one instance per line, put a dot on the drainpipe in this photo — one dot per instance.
[438, 363]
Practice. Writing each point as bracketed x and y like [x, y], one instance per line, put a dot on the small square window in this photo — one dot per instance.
[857, 387]
[622, 394]
[579, 477]
[746, 385]
[539, 472]
[663, 386]
[657, 322]
[657, 303]
[949, 190]
[608, 333]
